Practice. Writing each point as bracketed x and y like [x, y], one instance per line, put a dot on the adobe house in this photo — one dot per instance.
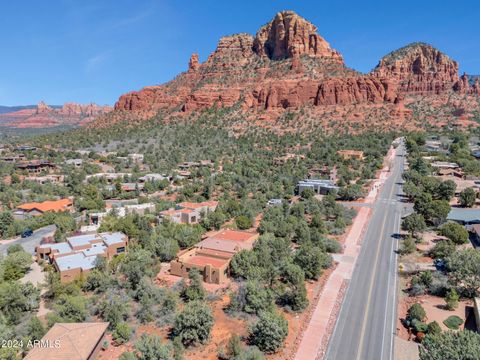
[212, 255]
[78, 255]
[323, 172]
[37, 166]
[450, 172]
[188, 212]
[53, 179]
[37, 209]
[351, 154]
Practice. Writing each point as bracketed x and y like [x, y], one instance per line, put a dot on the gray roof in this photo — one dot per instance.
[464, 215]
[317, 182]
[74, 161]
[275, 201]
[112, 238]
[81, 240]
[151, 177]
[76, 261]
[62, 248]
[95, 250]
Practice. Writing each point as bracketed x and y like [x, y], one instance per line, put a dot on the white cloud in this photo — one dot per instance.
[128, 20]
[96, 61]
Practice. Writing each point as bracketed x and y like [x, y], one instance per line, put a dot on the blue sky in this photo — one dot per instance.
[95, 50]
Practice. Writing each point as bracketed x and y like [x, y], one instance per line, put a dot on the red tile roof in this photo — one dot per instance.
[58, 205]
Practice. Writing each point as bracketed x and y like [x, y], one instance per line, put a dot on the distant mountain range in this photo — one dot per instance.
[287, 67]
[45, 116]
[9, 109]
[288, 70]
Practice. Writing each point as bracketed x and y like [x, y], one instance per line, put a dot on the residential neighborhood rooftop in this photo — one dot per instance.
[78, 341]
[55, 205]
[75, 261]
[464, 215]
[113, 238]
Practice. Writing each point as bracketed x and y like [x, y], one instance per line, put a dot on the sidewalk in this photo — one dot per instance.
[315, 338]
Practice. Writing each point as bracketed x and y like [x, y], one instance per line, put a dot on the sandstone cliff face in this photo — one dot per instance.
[335, 91]
[475, 89]
[419, 68]
[465, 85]
[150, 98]
[91, 109]
[237, 46]
[289, 34]
[286, 65]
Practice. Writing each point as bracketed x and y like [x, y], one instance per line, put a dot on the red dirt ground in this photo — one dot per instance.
[434, 307]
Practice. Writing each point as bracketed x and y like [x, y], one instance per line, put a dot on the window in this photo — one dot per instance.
[121, 250]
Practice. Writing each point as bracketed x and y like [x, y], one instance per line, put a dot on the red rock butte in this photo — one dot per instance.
[287, 65]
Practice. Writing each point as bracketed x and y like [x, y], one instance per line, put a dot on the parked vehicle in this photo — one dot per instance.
[27, 233]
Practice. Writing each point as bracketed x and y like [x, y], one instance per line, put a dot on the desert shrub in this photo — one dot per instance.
[269, 332]
[460, 345]
[434, 328]
[439, 284]
[332, 246]
[451, 299]
[418, 326]
[193, 324]
[416, 311]
[122, 333]
[453, 322]
[408, 246]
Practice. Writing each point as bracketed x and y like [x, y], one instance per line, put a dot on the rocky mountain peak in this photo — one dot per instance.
[246, 70]
[193, 64]
[237, 47]
[289, 34]
[43, 108]
[419, 68]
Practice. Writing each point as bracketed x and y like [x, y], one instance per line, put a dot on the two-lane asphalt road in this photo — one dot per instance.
[366, 323]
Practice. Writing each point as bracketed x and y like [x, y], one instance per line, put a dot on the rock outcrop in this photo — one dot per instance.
[193, 64]
[73, 109]
[467, 85]
[43, 108]
[288, 34]
[475, 88]
[419, 68]
[287, 65]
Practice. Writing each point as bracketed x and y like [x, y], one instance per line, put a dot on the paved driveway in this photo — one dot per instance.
[30, 242]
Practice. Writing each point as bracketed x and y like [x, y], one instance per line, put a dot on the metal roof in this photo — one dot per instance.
[464, 215]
